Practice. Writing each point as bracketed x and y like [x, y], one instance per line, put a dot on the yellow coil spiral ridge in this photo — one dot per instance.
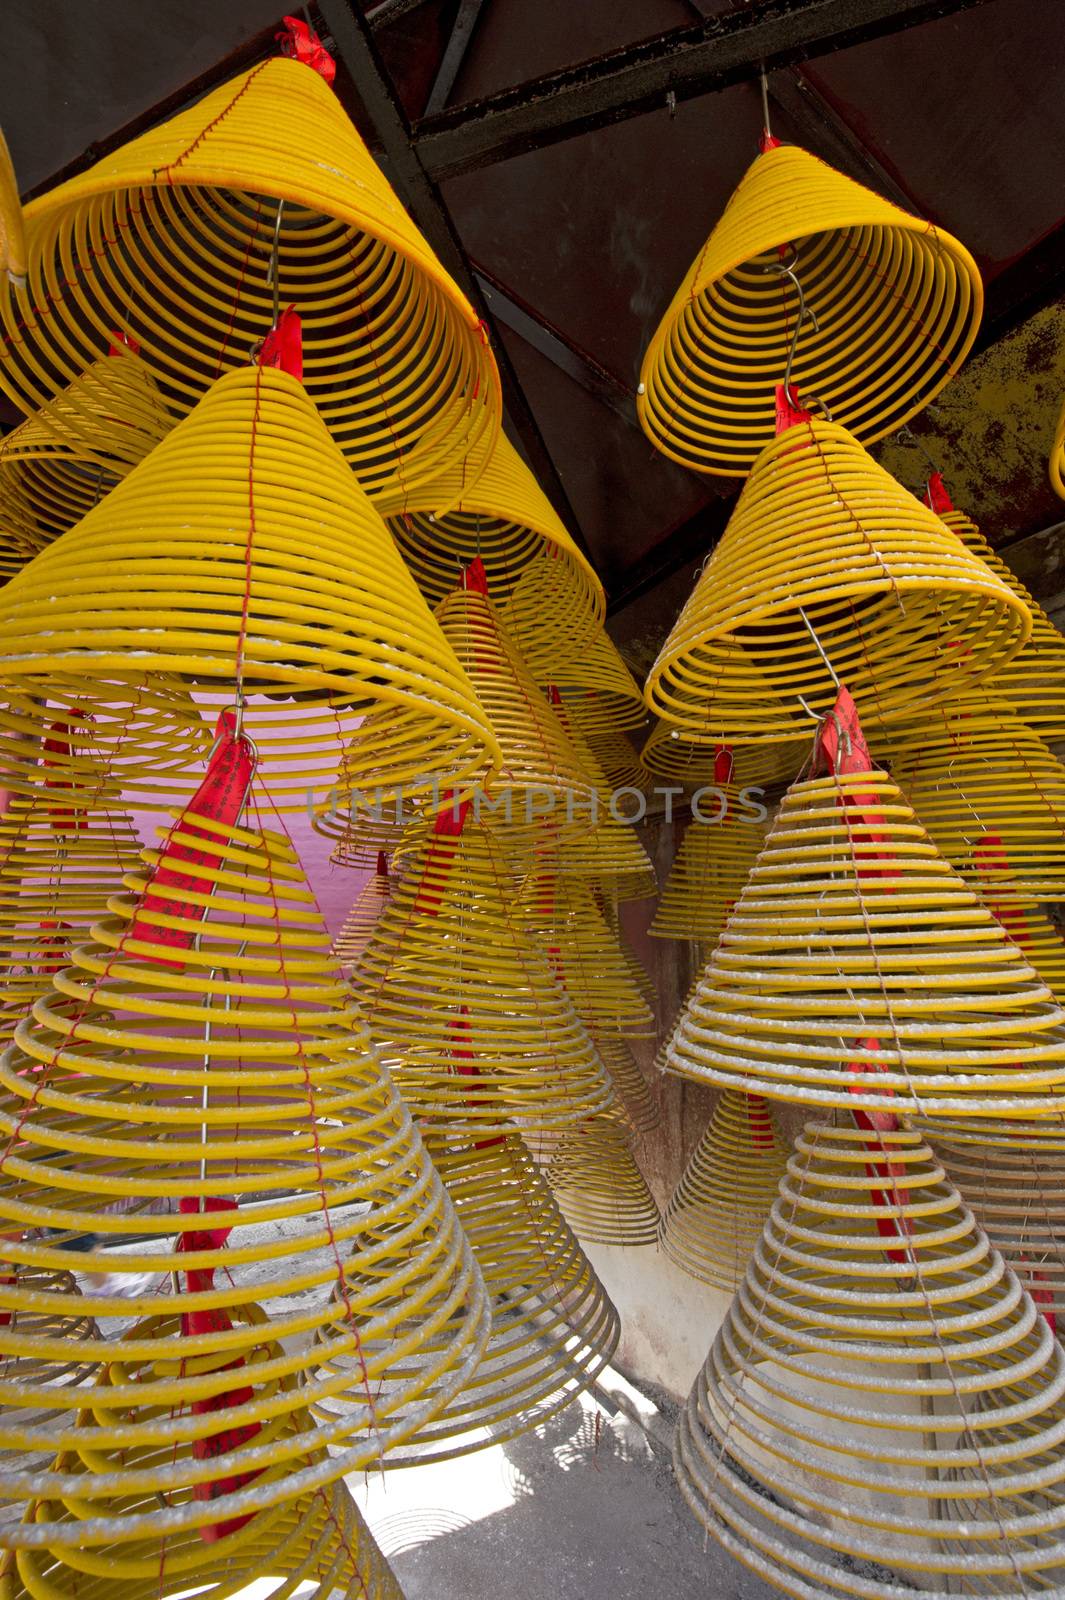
[586, 955]
[882, 1391]
[990, 793]
[61, 461]
[175, 235]
[693, 761]
[553, 1325]
[1057, 455]
[599, 1187]
[857, 961]
[715, 1216]
[829, 570]
[13, 252]
[364, 915]
[502, 518]
[708, 873]
[877, 308]
[597, 687]
[203, 563]
[464, 1003]
[199, 1059]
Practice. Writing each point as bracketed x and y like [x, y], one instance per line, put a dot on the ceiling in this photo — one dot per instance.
[567, 158]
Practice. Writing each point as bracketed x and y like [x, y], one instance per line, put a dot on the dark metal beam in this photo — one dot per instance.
[386, 11]
[355, 48]
[454, 55]
[686, 62]
[1028, 284]
[551, 343]
[691, 540]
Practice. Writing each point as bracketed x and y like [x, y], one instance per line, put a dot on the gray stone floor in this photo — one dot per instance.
[584, 1508]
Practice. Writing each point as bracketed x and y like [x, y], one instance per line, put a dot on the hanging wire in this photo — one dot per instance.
[764, 85]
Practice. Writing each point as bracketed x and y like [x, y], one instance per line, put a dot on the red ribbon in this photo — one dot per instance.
[449, 823]
[220, 798]
[299, 42]
[283, 345]
[215, 1320]
[935, 495]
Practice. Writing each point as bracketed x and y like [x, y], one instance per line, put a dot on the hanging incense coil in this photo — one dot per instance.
[364, 915]
[553, 1325]
[201, 1051]
[64, 459]
[503, 519]
[693, 762]
[883, 1397]
[856, 961]
[13, 254]
[990, 793]
[641, 1108]
[464, 1003]
[203, 563]
[613, 751]
[320, 1539]
[596, 685]
[1017, 1199]
[708, 873]
[829, 570]
[715, 1216]
[610, 910]
[176, 233]
[539, 786]
[1034, 681]
[808, 277]
[600, 1190]
[585, 954]
[1057, 456]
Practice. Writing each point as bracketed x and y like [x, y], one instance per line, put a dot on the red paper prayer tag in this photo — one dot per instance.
[382, 864]
[448, 824]
[299, 42]
[283, 345]
[936, 496]
[768, 142]
[840, 747]
[220, 798]
[122, 344]
[475, 577]
[789, 412]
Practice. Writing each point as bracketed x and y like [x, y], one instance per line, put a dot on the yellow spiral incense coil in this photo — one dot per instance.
[174, 235]
[540, 784]
[243, 548]
[553, 1325]
[364, 915]
[585, 953]
[144, 743]
[65, 458]
[503, 518]
[989, 791]
[464, 1002]
[1016, 1197]
[61, 855]
[614, 752]
[883, 1398]
[1031, 930]
[708, 873]
[610, 911]
[715, 1216]
[596, 686]
[1034, 681]
[317, 1546]
[600, 1190]
[856, 961]
[1057, 455]
[640, 1106]
[829, 570]
[13, 253]
[887, 311]
[201, 1052]
[692, 762]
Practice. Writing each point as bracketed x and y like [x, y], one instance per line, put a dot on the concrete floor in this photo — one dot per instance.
[583, 1508]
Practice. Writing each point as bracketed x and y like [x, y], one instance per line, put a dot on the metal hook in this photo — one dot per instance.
[786, 270]
[764, 84]
[907, 437]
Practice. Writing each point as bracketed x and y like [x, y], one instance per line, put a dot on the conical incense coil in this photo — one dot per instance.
[13, 252]
[464, 1003]
[502, 518]
[201, 1051]
[614, 752]
[600, 1190]
[264, 167]
[808, 276]
[61, 461]
[640, 1106]
[364, 915]
[1019, 1201]
[610, 910]
[143, 744]
[242, 550]
[693, 762]
[1034, 681]
[594, 681]
[585, 954]
[539, 786]
[715, 1216]
[708, 873]
[883, 1397]
[1038, 939]
[362, 839]
[61, 855]
[829, 570]
[990, 793]
[553, 1325]
[857, 961]
[320, 1540]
